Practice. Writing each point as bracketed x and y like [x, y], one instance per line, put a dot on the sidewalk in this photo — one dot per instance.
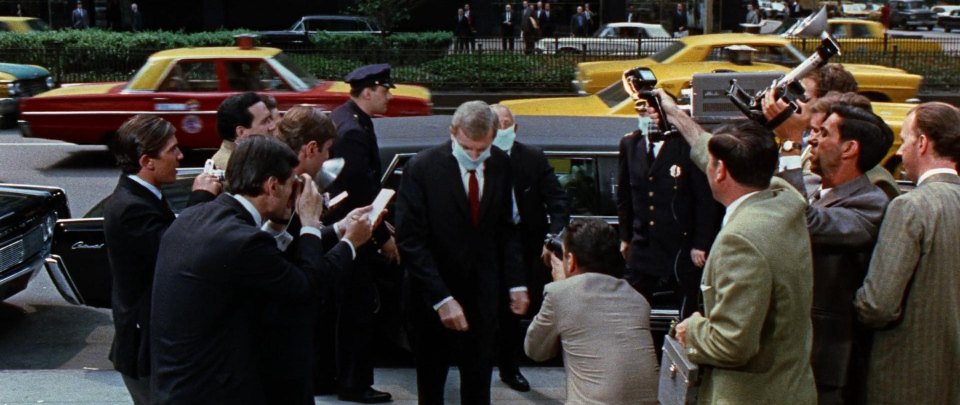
[105, 387]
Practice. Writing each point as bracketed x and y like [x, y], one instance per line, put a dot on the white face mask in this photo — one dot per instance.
[505, 138]
[464, 159]
[643, 123]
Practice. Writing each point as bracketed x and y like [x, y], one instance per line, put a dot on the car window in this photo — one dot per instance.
[860, 31]
[298, 26]
[609, 32]
[629, 32]
[254, 76]
[839, 30]
[668, 52]
[937, 10]
[613, 94]
[193, 76]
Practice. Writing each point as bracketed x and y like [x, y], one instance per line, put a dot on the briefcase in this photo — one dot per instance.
[679, 377]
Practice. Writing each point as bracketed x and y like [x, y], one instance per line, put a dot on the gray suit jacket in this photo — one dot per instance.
[912, 292]
[603, 325]
[756, 333]
[843, 228]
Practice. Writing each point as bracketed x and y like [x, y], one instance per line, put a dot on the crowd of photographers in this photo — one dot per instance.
[799, 269]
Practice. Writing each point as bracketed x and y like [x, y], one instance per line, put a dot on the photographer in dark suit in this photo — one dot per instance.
[457, 237]
[206, 301]
[537, 197]
[135, 217]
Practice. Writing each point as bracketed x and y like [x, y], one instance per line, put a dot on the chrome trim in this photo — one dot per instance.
[32, 266]
[117, 112]
[57, 271]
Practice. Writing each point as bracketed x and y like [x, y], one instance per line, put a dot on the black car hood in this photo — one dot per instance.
[20, 204]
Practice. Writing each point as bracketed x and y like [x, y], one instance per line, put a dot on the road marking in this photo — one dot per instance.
[41, 144]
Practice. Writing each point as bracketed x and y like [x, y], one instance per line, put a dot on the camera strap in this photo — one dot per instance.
[780, 118]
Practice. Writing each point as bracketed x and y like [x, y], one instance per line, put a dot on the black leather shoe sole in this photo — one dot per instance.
[368, 396]
[517, 382]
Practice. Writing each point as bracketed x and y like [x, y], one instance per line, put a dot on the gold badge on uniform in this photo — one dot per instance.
[675, 171]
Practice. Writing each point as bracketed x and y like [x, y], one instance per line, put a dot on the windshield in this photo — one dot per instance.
[790, 56]
[306, 78]
[668, 52]
[612, 95]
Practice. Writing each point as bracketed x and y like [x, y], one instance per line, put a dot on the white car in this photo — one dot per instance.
[943, 10]
[613, 39]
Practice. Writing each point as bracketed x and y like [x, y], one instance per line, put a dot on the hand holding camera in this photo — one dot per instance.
[309, 205]
[639, 83]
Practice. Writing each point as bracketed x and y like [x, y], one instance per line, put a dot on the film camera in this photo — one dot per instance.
[554, 243]
[639, 83]
[788, 87]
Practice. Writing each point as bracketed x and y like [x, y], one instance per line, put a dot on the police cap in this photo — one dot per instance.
[370, 75]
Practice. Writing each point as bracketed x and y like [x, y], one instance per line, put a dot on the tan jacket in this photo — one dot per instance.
[222, 156]
[603, 325]
[912, 291]
[756, 333]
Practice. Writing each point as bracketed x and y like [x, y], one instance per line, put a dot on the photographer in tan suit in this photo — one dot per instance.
[910, 291]
[601, 322]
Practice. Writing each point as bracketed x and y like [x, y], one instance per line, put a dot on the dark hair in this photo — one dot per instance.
[302, 124]
[823, 104]
[268, 101]
[258, 158]
[832, 77]
[596, 245]
[140, 135]
[233, 112]
[874, 136]
[355, 91]
[941, 123]
[748, 150]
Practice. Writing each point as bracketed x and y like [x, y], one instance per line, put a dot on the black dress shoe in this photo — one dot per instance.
[367, 396]
[516, 381]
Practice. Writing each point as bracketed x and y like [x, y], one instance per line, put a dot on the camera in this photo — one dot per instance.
[639, 83]
[209, 169]
[554, 243]
[787, 88]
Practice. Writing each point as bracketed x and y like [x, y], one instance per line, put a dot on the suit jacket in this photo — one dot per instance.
[755, 334]
[356, 143]
[579, 25]
[134, 220]
[910, 291]
[443, 252]
[603, 326]
[528, 23]
[843, 228]
[539, 197]
[206, 301]
[546, 23]
[222, 156]
[507, 30]
[663, 216]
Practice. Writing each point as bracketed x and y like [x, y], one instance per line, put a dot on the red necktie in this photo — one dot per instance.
[474, 196]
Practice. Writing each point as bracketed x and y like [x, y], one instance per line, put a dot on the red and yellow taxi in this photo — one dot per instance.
[185, 86]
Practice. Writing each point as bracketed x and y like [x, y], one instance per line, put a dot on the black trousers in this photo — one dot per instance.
[684, 288]
[507, 41]
[435, 347]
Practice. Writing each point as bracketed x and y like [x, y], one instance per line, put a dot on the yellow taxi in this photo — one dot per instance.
[185, 86]
[22, 24]
[677, 62]
[856, 35]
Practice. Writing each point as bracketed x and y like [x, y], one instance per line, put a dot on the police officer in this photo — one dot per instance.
[356, 301]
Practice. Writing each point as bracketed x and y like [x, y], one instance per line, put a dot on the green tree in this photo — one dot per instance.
[388, 14]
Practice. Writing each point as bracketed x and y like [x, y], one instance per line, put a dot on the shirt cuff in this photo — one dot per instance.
[518, 289]
[353, 250]
[312, 231]
[436, 307]
[789, 162]
[336, 228]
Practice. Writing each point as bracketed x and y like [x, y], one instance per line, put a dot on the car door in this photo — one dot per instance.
[78, 264]
[188, 96]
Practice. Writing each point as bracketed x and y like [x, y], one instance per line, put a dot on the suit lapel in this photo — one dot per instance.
[451, 171]
[491, 173]
[843, 191]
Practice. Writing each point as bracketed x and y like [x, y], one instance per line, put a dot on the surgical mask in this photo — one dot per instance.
[505, 138]
[464, 159]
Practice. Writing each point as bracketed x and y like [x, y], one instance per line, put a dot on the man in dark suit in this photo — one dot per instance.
[206, 301]
[843, 218]
[668, 217]
[545, 17]
[461, 30]
[457, 237]
[356, 143]
[506, 27]
[530, 27]
[538, 197]
[136, 216]
[579, 23]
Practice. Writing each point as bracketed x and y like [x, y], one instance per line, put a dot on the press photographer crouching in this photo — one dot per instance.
[753, 339]
[600, 321]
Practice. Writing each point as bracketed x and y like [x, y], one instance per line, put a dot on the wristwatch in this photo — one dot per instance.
[789, 146]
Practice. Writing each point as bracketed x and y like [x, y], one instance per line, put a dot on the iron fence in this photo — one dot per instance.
[485, 64]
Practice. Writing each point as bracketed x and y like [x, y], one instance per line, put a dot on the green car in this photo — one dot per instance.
[16, 82]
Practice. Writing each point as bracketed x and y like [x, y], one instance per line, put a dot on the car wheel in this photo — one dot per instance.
[929, 28]
[8, 121]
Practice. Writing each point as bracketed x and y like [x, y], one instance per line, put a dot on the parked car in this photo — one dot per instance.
[867, 11]
[880, 83]
[583, 152]
[949, 22]
[856, 35]
[911, 14]
[623, 38]
[22, 24]
[943, 10]
[300, 32]
[19, 81]
[185, 86]
[28, 215]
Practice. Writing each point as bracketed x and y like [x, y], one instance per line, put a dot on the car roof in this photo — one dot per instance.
[740, 38]
[332, 17]
[15, 18]
[216, 52]
[631, 24]
[851, 21]
[559, 134]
